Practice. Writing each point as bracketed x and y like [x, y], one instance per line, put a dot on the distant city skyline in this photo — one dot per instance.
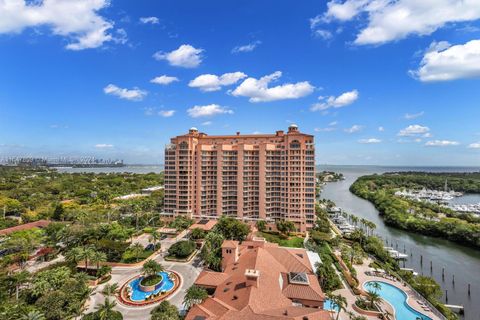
[122, 77]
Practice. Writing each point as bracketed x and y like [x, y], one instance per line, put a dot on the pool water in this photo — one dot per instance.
[139, 295]
[328, 305]
[398, 299]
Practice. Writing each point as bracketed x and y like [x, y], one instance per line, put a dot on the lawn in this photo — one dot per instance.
[293, 242]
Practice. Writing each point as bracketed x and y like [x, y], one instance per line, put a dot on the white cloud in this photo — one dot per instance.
[104, 146]
[393, 20]
[369, 141]
[475, 145]
[381, 129]
[211, 82]
[207, 110]
[166, 113]
[415, 130]
[151, 20]
[333, 123]
[323, 33]
[450, 63]
[185, 56]
[246, 48]
[134, 94]
[327, 129]
[258, 91]
[78, 20]
[441, 143]
[354, 128]
[410, 116]
[207, 123]
[164, 80]
[342, 100]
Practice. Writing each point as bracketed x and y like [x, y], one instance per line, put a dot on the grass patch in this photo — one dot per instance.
[293, 242]
[151, 280]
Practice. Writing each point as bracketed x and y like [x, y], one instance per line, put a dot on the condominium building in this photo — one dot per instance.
[263, 176]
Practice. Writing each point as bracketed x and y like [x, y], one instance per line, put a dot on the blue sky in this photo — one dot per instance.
[117, 79]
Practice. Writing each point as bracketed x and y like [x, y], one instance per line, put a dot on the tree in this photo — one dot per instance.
[97, 257]
[261, 225]
[182, 249]
[339, 303]
[137, 250]
[211, 252]
[105, 311]
[165, 311]
[19, 279]
[373, 298]
[151, 268]
[33, 315]
[232, 228]
[197, 233]
[50, 280]
[154, 238]
[194, 295]
[285, 226]
[110, 289]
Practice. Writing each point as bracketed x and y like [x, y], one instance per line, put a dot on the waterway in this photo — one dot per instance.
[461, 264]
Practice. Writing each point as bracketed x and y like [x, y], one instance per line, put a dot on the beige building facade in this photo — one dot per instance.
[252, 177]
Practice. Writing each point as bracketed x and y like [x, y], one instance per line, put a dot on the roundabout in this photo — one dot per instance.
[145, 290]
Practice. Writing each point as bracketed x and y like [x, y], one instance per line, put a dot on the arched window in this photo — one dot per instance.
[183, 145]
[295, 144]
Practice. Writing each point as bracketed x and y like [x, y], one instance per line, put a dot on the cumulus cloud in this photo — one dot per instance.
[410, 116]
[77, 20]
[441, 143]
[208, 110]
[369, 141]
[104, 146]
[381, 129]
[394, 20]
[475, 145]
[166, 113]
[354, 128]
[134, 94]
[186, 56]
[164, 80]
[206, 123]
[149, 20]
[342, 100]
[211, 82]
[258, 90]
[447, 62]
[246, 48]
[415, 130]
[323, 34]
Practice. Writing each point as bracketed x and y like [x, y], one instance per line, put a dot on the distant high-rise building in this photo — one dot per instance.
[253, 177]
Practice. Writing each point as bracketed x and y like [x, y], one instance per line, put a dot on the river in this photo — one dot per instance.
[462, 264]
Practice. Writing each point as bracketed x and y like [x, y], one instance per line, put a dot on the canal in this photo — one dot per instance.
[461, 264]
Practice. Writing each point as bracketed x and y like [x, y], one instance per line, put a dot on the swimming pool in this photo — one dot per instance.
[139, 295]
[398, 299]
[328, 305]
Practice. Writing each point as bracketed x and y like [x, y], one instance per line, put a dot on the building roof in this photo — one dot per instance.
[237, 298]
[205, 225]
[26, 226]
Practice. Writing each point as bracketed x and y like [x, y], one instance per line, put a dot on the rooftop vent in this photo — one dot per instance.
[298, 278]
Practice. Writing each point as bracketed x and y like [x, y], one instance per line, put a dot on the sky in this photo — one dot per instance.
[382, 82]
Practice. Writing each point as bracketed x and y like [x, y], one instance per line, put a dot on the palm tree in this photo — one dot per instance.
[339, 303]
[97, 257]
[110, 289]
[33, 315]
[105, 310]
[74, 255]
[375, 286]
[152, 267]
[154, 237]
[373, 298]
[194, 295]
[18, 279]
[86, 254]
[137, 250]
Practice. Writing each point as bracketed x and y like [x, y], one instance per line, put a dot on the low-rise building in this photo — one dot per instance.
[260, 280]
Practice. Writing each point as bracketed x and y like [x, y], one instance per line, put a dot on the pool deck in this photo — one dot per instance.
[363, 278]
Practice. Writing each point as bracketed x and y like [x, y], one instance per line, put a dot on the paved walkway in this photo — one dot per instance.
[188, 272]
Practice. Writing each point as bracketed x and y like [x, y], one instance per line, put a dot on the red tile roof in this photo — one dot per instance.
[26, 226]
[238, 298]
